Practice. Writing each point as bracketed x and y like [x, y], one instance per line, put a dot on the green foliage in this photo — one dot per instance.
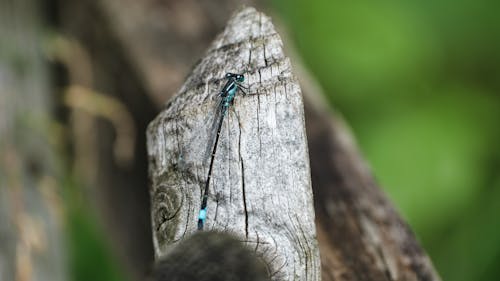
[89, 255]
[419, 82]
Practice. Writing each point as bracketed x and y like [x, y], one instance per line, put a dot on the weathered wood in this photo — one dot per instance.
[260, 187]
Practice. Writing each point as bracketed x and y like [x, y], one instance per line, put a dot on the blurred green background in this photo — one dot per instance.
[419, 82]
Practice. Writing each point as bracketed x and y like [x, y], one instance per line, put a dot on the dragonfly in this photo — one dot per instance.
[227, 94]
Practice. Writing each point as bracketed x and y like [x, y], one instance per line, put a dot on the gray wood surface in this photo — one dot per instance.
[261, 187]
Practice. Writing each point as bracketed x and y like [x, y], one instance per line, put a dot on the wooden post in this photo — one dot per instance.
[261, 187]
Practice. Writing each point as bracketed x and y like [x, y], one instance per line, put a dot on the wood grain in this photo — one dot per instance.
[261, 187]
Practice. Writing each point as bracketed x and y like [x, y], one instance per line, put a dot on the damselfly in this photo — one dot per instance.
[227, 95]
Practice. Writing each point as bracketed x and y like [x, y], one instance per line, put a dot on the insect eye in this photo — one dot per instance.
[240, 78]
[229, 75]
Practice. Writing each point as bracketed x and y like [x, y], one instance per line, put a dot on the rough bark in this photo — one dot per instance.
[260, 186]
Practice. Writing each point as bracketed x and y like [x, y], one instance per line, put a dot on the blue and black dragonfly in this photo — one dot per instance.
[227, 95]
